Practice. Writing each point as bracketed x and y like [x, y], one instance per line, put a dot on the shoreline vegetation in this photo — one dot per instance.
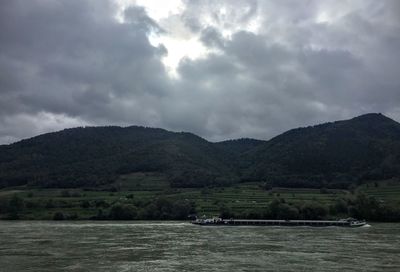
[374, 201]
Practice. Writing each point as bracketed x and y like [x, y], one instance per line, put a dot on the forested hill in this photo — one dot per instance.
[96, 155]
[332, 154]
[239, 146]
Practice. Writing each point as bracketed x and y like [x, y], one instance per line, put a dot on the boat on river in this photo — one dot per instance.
[349, 222]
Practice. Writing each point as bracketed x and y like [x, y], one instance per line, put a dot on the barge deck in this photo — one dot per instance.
[256, 222]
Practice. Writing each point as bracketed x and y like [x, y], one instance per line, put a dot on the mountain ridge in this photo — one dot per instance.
[334, 154]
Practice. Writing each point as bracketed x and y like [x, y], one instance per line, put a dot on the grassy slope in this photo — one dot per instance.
[146, 187]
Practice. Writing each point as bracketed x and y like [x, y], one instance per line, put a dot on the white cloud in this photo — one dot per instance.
[24, 125]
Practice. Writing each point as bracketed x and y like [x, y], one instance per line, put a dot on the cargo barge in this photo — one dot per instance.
[350, 222]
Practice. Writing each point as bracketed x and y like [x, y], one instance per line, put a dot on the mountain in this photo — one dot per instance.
[333, 154]
[239, 146]
[97, 155]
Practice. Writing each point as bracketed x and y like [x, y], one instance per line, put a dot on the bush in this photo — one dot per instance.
[101, 203]
[123, 212]
[286, 211]
[72, 216]
[130, 196]
[313, 211]
[15, 205]
[225, 212]
[58, 216]
[339, 207]
[49, 204]
[65, 193]
[181, 210]
[85, 204]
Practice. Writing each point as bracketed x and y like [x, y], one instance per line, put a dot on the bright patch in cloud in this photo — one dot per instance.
[161, 9]
[178, 48]
[177, 39]
[323, 17]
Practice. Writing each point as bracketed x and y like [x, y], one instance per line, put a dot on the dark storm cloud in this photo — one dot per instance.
[283, 64]
[73, 58]
[297, 71]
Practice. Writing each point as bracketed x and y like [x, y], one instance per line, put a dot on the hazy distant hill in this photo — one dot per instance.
[338, 153]
[334, 154]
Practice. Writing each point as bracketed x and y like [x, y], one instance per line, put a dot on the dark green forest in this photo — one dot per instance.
[334, 155]
[331, 155]
[75, 204]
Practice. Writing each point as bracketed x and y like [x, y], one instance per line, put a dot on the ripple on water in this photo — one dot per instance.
[177, 246]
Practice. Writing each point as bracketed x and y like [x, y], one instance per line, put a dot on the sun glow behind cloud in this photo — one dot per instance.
[178, 48]
[176, 38]
[323, 17]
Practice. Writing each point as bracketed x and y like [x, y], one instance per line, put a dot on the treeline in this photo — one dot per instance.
[361, 207]
[127, 208]
[159, 209]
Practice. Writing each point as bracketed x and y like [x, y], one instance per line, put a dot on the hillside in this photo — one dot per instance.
[239, 146]
[97, 155]
[334, 154]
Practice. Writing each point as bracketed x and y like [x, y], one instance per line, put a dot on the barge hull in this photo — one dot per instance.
[312, 223]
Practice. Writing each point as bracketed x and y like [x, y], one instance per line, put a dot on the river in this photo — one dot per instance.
[177, 246]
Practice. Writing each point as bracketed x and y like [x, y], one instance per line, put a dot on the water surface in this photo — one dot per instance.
[176, 246]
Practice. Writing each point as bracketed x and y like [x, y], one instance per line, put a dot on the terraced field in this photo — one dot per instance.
[384, 191]
[251, 195]
[208, 201]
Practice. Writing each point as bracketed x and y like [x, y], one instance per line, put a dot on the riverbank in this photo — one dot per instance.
[158, 201]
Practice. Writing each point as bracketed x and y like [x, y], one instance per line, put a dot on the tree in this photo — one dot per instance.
[340, 206]
[123, 212]
[85, 204]
[164, 208]
[313, 211]
[101, 203]
[65, 193]
[100, 215]
[49, 204]
[225, 212]
[286, 211]
[15, 206]
[58, 216]
[367, 207]
[182, 209]
[149, 211]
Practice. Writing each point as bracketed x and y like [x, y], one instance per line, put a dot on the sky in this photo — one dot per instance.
[219, 69]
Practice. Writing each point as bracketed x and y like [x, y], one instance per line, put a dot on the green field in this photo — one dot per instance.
[146, 187]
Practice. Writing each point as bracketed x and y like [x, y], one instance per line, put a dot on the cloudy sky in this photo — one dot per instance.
[220, 69]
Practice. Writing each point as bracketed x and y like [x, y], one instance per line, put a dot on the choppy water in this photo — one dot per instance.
[171, 246]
